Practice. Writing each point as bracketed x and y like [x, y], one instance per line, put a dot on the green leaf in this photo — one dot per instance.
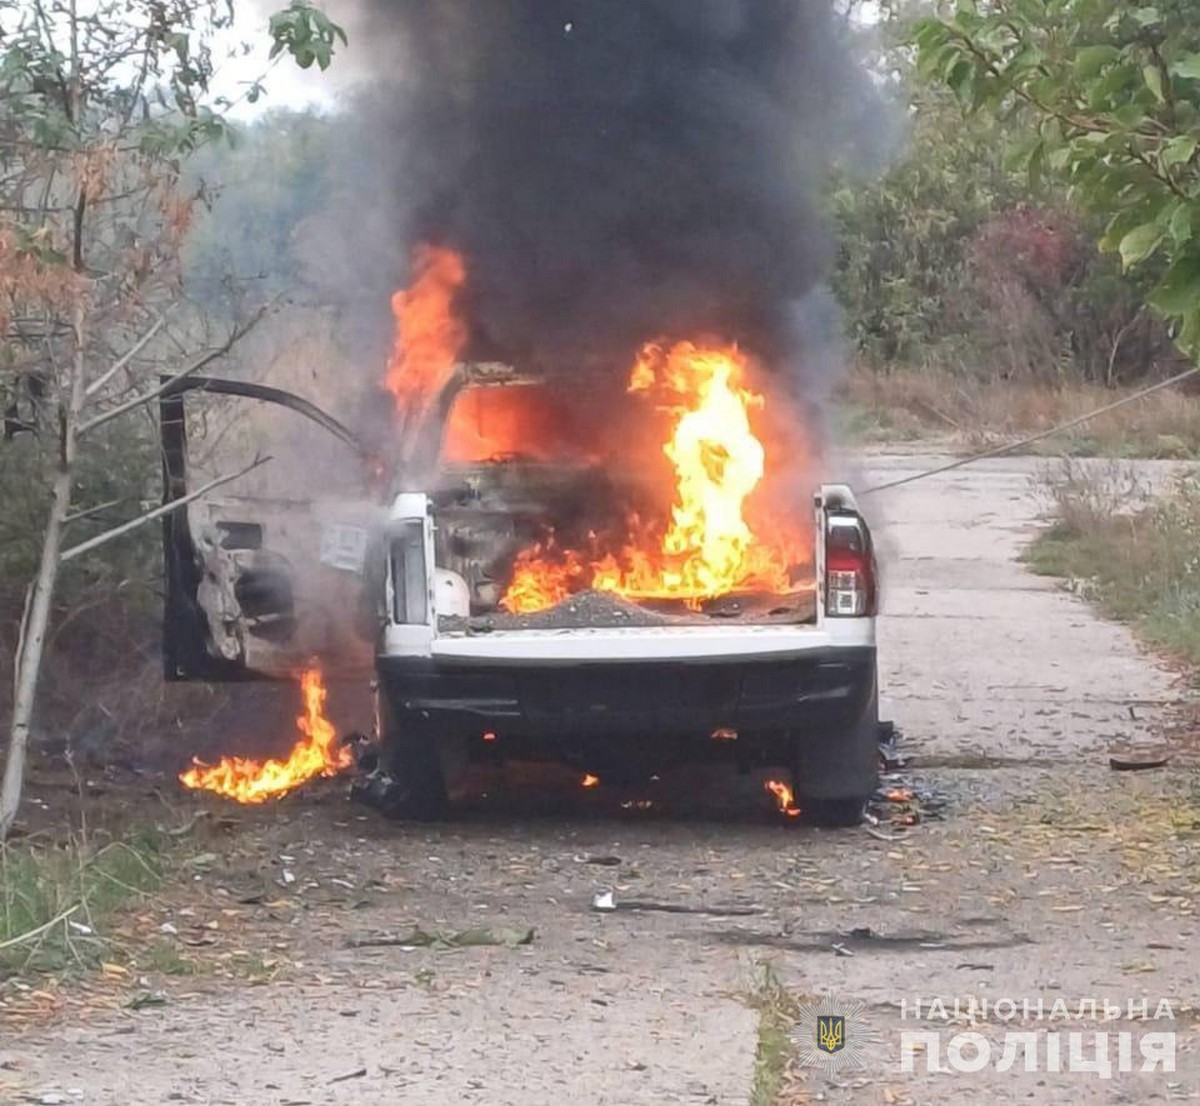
[1154, 81]
[1179, 151]
[1179, 291]
[1140, 243]
[1188, 68]
[1091, 59]
[1181, 224]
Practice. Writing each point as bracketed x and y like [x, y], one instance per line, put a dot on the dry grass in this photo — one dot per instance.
[905, 404]
[777, 1012]
[1135, 557]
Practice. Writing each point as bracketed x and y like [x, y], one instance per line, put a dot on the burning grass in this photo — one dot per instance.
[56, 898]
[1137, 558]
[909, 405]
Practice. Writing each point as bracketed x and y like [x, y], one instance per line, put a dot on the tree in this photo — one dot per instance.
[100, 106]
[1110, 93]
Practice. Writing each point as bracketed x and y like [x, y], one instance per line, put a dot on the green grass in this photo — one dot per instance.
[777, 1014]
[1141, 566]
[55, 899]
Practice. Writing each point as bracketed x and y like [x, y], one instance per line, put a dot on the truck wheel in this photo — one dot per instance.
[411, 758]
[833, 813]
[835, 774]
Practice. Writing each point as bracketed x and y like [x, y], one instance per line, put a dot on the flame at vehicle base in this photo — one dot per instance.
[785, 797]
[253, 782]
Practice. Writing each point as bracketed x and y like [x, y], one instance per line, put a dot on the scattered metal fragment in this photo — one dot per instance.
[377, 790]
[468, 938]
[901, 802]
[889, 747]
[642, 906]
[840, 950]
[1132, 760]
[604, 901]
[358, 1074]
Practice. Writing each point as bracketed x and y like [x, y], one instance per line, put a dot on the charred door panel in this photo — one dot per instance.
[257, 587]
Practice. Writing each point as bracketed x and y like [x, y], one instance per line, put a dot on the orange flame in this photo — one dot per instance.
[591, 782]
[522, 420]
[258, 781]
[708, 549]
[429, 334]
[785, 797]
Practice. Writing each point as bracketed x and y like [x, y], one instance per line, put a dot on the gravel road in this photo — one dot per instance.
[1050, 877]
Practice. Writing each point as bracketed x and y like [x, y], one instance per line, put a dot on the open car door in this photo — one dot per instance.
[259, 586]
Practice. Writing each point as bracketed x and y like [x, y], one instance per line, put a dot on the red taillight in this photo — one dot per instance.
[851, 590]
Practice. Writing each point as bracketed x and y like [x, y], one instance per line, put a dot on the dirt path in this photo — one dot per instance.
[1051, 877]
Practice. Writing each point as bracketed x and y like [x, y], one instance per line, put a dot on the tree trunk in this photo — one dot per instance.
[28, 661]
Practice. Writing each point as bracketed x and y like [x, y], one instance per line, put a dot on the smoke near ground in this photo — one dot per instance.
[614, 171]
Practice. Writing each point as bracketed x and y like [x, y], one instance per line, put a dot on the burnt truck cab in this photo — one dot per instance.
[404, 585]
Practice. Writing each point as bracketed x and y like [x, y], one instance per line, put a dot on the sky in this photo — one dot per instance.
[287, 85]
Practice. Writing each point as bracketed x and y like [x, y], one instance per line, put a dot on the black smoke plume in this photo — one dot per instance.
[614, 171]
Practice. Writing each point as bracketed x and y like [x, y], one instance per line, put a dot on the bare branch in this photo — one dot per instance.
[146, 397]
[158, 512]
[138, 346]
[79, 516]
[29, 935]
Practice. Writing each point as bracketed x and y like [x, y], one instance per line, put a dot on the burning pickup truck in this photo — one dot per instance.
[525, 604]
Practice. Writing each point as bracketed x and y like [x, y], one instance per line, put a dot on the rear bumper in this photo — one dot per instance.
[815, 693]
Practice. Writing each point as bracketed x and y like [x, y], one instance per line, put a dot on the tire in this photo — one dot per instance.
[411, 759]
[832, 813]
[835, 774]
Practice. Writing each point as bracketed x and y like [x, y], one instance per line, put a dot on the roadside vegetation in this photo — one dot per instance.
[56, 899]
[1136, 557]
[778, 1011]
[966, 412]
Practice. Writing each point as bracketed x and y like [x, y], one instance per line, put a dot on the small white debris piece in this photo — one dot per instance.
[79, 927]
[288, 876]
[605, 901]
[168, 929]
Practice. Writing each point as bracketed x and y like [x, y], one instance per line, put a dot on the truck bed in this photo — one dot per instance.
[599, 610]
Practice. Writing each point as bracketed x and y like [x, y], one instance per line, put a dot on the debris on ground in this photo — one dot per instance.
[468, 938]
[889, 747]
[1138, 760]
[377, 790]
[902, 803]
[358, 1073]
[644, 907]
[604, 901]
